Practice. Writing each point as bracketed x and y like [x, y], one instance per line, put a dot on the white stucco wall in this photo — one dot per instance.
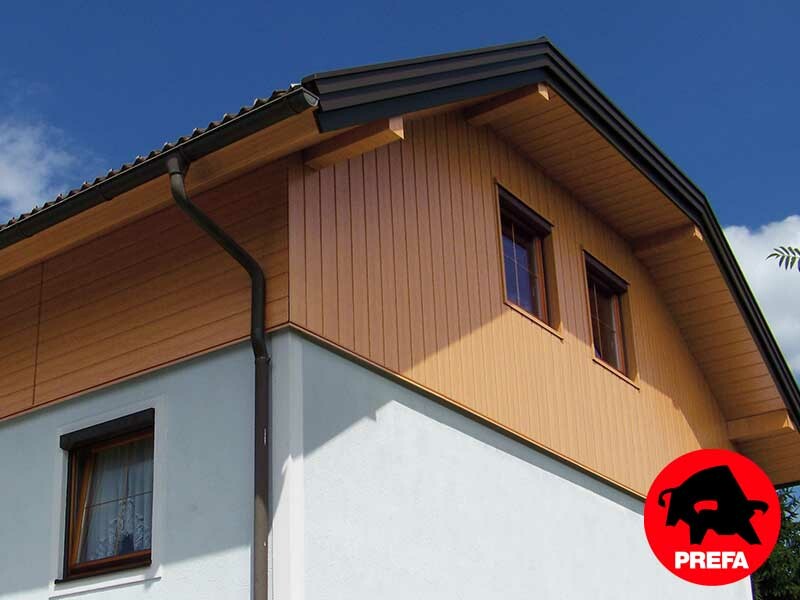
[382, 493]
[202, 502]
[378, 492]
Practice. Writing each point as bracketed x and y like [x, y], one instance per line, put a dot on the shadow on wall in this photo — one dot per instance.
[338, 395]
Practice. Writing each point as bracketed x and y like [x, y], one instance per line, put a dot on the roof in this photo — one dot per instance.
[229, 128]
[349, 97]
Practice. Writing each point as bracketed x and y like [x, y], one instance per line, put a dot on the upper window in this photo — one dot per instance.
[109, 496]
[606, 292]
[524, 234]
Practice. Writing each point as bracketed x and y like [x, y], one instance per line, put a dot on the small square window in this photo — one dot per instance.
[524, 234]
[109, 496]
[606, 292]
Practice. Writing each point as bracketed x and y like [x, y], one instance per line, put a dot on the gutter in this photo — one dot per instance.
[177, 165]
[200, 143]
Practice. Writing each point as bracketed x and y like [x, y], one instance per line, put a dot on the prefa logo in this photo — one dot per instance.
[712, 517]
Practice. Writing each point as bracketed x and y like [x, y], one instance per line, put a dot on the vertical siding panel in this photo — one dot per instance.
[344, 256]
[403, 299]
[463, 296]
[496, 287]
[447, 234]
[425, 218]
[297, 243]
[437, 252]
[374, 266]
[477, 335]
[592, 386]
[412, 223]
[480, 187]
[447, 229]
[330, 292]
[360, 282]
[313, 253]
[478, 217]
[388, 286]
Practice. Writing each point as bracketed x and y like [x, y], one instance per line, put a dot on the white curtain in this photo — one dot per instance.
[119, 513]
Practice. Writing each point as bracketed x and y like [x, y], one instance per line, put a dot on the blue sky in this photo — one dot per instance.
[87, 86]
[714, 84]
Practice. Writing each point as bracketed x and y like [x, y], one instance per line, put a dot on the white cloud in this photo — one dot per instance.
[777, 290]
[36, 163]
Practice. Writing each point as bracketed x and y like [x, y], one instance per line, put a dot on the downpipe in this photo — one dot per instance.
[177, 167]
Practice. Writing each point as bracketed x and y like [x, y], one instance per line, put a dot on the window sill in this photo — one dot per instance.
[138, 563]
[615, 371]
[534, 319]
[83, 583]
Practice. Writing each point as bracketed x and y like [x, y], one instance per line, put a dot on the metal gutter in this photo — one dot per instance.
[176, 166]
[217, 135]
[362, 94]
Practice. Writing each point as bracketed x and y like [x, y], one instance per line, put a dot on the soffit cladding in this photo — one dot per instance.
[352, 96]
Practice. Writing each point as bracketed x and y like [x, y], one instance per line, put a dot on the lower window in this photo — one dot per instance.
[110, 497]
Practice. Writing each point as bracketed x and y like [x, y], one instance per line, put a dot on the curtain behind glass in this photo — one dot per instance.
[119, 511]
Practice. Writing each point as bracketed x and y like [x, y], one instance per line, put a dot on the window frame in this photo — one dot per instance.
[127, 429]
[599, 274]
[510, 208]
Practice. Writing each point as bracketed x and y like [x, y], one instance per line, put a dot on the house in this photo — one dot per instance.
[494, 310]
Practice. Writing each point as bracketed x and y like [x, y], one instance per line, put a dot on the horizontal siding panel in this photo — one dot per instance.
[20, 297]
[15, 402]
[144, 295]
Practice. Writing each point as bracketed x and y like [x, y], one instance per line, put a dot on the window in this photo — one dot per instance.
[606, 291]
[109, 516]
[524, 234]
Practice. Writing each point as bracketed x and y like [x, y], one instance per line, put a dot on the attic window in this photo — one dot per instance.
[524, 233]
[606, 293]
[109, 496]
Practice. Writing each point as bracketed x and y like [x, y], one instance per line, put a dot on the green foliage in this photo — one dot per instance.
[787, 257]
[779, 578]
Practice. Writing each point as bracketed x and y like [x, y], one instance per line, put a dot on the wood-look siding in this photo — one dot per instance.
[144, 295]
[395, 256]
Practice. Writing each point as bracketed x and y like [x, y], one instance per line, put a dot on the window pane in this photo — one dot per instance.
[118, 513]
[508, 244]
[524, 284]
[511, 280]
[605, 323]
[608, 326]
[525, 289]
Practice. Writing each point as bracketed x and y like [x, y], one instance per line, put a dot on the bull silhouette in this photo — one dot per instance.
[733, 509]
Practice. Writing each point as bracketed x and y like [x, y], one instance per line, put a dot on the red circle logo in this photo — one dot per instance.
[712, 517]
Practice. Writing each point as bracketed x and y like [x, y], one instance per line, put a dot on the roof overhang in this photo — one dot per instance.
[258, 134]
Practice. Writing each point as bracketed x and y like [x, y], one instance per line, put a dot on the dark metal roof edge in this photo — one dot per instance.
[309, 81]
[199, 144]
[546, 63]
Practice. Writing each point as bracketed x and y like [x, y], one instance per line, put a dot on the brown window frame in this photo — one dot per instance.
[600, 277]
[124, 430]
[536, 230]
